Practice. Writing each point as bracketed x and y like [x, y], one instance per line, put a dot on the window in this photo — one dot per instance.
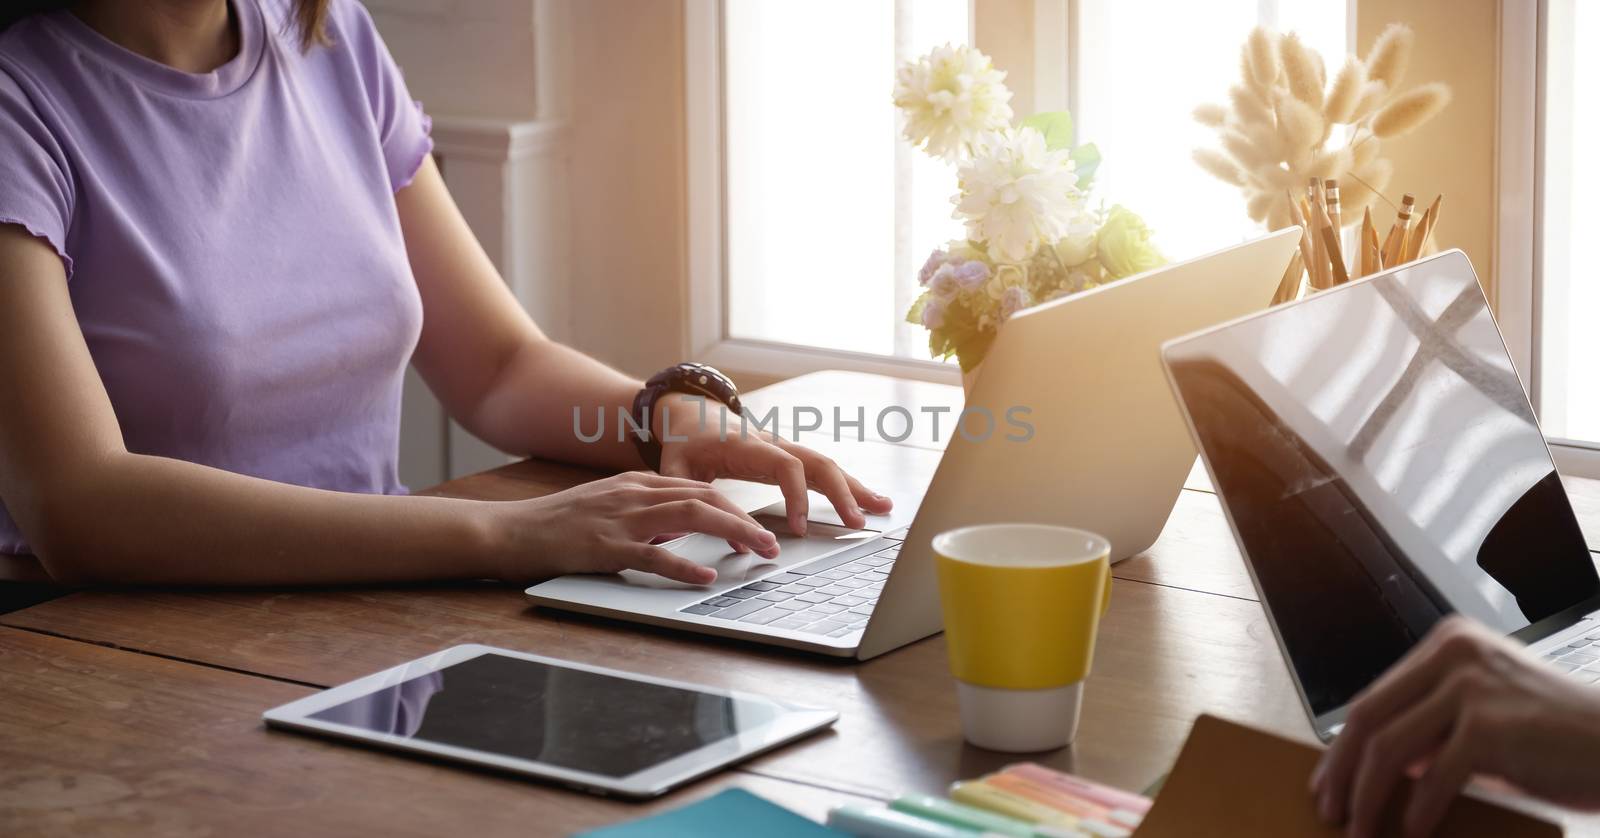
[1137, 83]
[825, 206]
[1567, 302]
[814, 216]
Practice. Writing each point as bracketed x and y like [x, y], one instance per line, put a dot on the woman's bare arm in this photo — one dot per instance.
[483, 356]
[513, 387]
[94, 512]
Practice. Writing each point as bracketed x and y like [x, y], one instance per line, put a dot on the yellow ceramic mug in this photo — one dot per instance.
[1022, 606]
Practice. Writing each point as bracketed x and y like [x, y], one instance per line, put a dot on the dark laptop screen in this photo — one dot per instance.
[1382, 468]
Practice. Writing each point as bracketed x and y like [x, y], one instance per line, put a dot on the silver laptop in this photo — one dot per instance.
[1381, 468]
[1106, 451]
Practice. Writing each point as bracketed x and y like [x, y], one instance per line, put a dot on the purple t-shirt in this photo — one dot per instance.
[232, 247]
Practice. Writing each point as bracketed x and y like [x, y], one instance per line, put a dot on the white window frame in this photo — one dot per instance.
[709, 338]
[1519, 193]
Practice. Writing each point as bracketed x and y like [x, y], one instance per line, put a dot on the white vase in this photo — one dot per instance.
[969, 380]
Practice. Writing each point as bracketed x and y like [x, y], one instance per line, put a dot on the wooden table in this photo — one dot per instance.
[139, 711]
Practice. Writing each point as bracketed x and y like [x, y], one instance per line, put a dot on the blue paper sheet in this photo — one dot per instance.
[734, 813]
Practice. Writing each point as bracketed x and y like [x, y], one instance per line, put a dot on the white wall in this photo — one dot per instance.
[475, 58]
[493, 75]
[629, 239]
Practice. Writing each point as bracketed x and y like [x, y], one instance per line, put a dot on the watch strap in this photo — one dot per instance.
[689, 378]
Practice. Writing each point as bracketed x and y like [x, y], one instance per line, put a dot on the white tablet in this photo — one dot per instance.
[587, 727]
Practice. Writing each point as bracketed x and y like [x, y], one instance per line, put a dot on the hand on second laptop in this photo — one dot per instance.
[1464, 702]
[710, 452]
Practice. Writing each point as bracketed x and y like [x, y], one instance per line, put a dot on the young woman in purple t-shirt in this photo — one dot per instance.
[222, 239]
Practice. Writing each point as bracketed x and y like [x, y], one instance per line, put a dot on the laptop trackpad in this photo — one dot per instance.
[733, 568]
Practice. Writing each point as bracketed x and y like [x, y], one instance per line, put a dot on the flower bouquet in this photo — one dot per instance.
[1023, 196]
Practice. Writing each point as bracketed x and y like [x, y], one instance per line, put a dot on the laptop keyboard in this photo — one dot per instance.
[1580, 658]
[832, 596]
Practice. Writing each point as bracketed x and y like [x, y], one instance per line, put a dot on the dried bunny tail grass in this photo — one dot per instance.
[1265, 137]
[1219, 166]
[1372, 95]
[1248, 106]
[1391, 55]
[1272, 178]
[1300, 70]
[1247, 76]
[1248, 153]
[1262, 58]
[1282, 179]
[1362, 186]
[1211, 115]
[1330, 164]
[1346, 92]
[1258, 205]
[1278, 212]
[1299, 124]
[1406, 113]
[1363, 149]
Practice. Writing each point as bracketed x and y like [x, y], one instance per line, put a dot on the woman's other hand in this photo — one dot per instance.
[1464, 702]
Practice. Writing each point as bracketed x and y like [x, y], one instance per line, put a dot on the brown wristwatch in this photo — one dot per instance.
[693, 379]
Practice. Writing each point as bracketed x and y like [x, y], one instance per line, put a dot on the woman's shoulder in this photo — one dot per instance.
[28, 48]
[20, 90]
[22, 38]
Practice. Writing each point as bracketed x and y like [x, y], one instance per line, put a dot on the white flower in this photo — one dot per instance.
[1005, 278]
[1077, 246]
[950, 96]
[1017, 195]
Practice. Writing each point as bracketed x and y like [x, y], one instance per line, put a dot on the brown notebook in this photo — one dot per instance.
[1235, 781]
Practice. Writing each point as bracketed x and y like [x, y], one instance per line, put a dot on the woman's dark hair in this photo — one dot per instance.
[309, 16]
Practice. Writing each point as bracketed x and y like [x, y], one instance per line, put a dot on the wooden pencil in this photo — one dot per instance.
[1330, 201]
[1423, 230]
[1307, 253]
[1394, 245]
[1330, 197]
[1312, 202]
[1331, 237]
[1327, 252]
[1371, 251]
[1414, 239]
[1289, 286]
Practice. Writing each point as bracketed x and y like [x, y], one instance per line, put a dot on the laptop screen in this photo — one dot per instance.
[1382, 468]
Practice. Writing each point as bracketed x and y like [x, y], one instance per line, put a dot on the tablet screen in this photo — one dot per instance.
[560, 716]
